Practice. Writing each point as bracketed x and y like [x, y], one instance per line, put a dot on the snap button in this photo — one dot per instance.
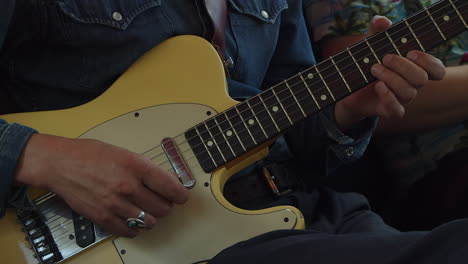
[229, 63]
[265, 14]
[117, 16]
[349, 151]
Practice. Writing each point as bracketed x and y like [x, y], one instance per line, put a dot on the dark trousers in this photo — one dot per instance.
[341, 228]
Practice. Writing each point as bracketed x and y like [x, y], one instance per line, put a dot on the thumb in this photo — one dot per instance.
[378, 24]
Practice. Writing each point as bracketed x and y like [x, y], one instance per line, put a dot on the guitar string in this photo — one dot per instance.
[330, 67]
[165, 162]
[280, 119]
[451, 12]
[61, 239]
[369, 54]
[243, 123]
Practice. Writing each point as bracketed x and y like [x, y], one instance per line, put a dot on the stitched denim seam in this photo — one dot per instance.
[274, 13]
[120, 25]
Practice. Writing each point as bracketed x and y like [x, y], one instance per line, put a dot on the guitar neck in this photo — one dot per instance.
[247, 125]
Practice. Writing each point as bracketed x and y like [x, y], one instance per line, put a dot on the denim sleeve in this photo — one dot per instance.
[13, 138]
[318, 140]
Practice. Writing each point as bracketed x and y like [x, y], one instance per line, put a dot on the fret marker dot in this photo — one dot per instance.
[446, 18]
[229, 133]
[323, 97]
[310, 76]
[209, 143]
[366, 60]
[251, 121]
[275, 108]
[404, 40]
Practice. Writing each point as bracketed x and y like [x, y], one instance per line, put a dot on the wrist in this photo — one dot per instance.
[345, 118]
[35, 165]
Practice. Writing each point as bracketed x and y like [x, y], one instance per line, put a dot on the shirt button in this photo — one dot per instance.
[349, 151]
[117, 16]
[265, 14]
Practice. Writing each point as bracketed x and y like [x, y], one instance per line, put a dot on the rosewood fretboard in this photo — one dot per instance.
[239, 129]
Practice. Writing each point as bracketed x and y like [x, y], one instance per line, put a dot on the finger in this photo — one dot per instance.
[125, 209]
[378, 24]
[400, 87]
[432, 65]
[151, 202]
[117, 226]
[389, 105]
[411, 72]
[166, 184]
[102, 215]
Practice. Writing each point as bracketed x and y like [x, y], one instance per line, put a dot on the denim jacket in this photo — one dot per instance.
[61, 53]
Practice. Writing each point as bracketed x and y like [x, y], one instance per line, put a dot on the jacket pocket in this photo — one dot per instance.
[254, 24]
[113, 13]
[262, 11]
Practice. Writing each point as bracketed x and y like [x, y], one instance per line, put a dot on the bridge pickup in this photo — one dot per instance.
[177, 162]
[84, 230]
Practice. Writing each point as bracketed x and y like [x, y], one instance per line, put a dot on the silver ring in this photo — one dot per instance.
[138, 222]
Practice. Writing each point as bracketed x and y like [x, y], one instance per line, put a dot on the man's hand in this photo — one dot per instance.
[104, 183]
[398, 82]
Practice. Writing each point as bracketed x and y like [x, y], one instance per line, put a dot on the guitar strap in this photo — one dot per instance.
[217, 11]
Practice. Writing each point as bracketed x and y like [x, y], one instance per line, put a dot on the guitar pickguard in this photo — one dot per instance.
[205, 225]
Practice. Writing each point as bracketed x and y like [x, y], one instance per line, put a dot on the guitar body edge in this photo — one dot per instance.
[161, 81]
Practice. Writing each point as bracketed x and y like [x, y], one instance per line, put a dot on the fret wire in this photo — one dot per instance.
[349, 70]
[372, 50]
[246, 126]
[214, 141]
[414, 35]
[341, 75]
[295, 99]
[448, 20]
[224, 136]
[458, 12]
[391, 41]
[235, 131]
[325, 83]
[308, 89]
[256, 118]
[437, 26]
[282, 106]
[290, 104]
[276, 110]
[196, 143]
[357, 64]
[220, 139]
[268, 111]
[208, 151]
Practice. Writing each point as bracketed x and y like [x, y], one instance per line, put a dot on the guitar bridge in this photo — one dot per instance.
[40, 237]
[55, 232]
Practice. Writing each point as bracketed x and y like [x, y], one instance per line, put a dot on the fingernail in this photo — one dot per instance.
[375, 18]
[412, 55]
[401, 111]
[376, 70]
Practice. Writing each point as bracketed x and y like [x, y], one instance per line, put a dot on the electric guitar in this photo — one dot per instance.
[180, 116]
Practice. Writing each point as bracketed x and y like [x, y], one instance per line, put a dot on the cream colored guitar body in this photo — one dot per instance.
[173, 87]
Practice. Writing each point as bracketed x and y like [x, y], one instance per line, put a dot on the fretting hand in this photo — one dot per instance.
[398, 81]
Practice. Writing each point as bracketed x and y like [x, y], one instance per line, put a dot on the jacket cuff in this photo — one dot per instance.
[13, 138]
[351, 146]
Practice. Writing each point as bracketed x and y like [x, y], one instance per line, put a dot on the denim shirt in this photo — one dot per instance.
[62, 53]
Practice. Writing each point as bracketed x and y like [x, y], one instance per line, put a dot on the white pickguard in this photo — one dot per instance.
[202, 227]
